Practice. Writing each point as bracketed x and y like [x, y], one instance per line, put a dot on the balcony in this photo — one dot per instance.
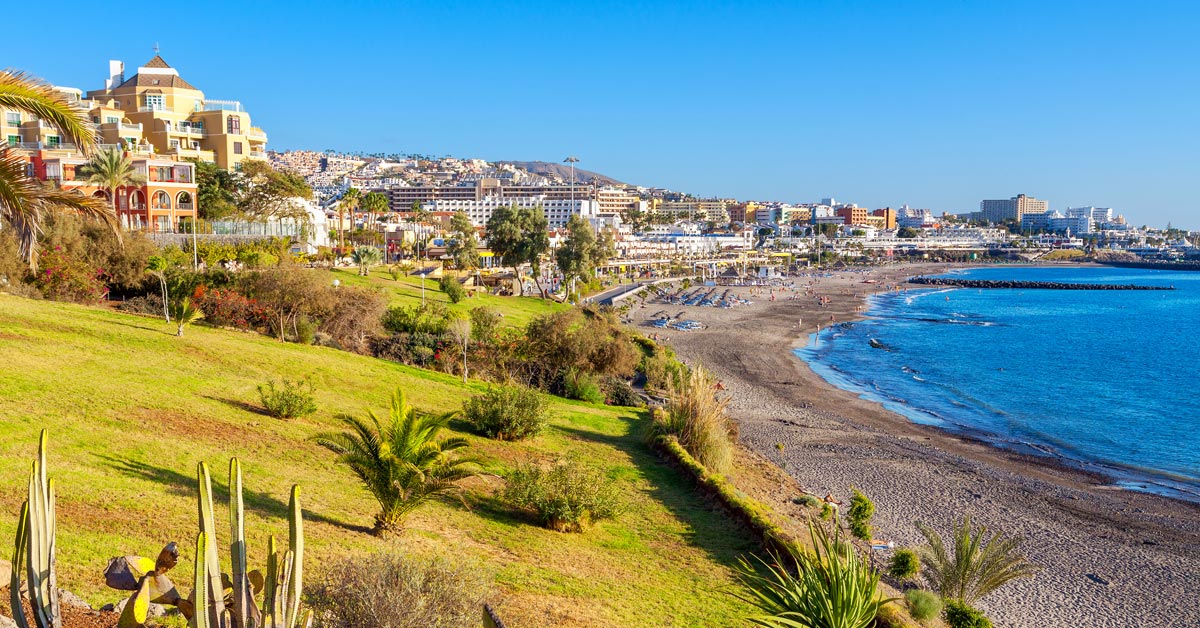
[150, 108]
[222, 105]
[189, 130]
[256, 133]
[186, 206]
[257, 154]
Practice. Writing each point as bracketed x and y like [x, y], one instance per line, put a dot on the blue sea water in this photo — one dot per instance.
[1105, 380]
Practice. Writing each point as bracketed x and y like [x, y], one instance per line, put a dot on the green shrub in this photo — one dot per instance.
[565, 495]
[829, 587]
[923, 605]
[806, 500]
[696, 415]
[289, 400]
[306, 331]
[582, 386]
[859, 515]
[904, 565]
[454, 290]
[961, 615]
[826, 511]
[395, 590]
[431, 318]
[507, 412]
[618, 392]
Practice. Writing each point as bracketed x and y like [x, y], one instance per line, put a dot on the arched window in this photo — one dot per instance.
[183, 201]
[137, 200]
[161, 200]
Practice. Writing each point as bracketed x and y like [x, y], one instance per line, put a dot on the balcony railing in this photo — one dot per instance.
[131, 127]
[222, 105]
[189, 130]
[185, 206]
[147, 108]
[257, 132]
[258, 154]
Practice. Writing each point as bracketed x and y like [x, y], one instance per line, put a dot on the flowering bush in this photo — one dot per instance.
[66, 278]
[228, 308]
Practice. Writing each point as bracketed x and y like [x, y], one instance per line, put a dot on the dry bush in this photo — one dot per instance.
[696, 415]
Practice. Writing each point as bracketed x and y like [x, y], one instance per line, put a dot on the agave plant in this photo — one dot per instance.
[980, 563]
[401, 462]
[833, 587]
[34, 548]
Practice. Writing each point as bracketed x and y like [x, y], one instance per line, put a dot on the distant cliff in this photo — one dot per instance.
[563, 171]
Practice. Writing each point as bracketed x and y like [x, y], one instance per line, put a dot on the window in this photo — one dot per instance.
[13, 140]
[53, 140]
[237, 148]
[13, 118]
[111, 119]
[155, 102]
[174, 144]
[234, 125]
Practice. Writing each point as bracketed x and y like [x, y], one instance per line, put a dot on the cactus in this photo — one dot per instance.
[34, 547]
[214, 603]
[244, 614]
[149, 582]
[285, 574]
[201, 582]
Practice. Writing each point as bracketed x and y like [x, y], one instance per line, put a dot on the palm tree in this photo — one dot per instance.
[979, 565]
[400, 462]
[109, 170]
[25, 201]
[349, 203]
[186, 313]
[365, 256]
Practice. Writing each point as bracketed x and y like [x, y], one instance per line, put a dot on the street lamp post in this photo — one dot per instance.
[572, 159]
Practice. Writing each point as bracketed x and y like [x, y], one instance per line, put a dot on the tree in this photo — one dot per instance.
[980, 563]
[420, 216]
[157, 267]
[861, 511]
[366, 256]
[401, 462]
[519, 236]
[348, 204]
[462, 246]
[374, 203]
[582, 251]
[186, 313]
[906, 233]
[265, 192]
[109, 170]
[460, 333]
[216, 190]
[25, 201]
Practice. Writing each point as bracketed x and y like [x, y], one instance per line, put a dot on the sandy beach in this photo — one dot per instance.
[1110, 558]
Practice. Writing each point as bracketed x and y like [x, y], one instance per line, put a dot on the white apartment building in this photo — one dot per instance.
[480, 211]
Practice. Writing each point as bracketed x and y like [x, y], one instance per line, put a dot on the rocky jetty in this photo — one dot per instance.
[1027, 285]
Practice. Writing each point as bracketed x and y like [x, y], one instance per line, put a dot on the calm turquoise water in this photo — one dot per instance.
[1106, 380]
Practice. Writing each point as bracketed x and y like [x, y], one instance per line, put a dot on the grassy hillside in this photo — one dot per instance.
[407, 291]
[132, 410]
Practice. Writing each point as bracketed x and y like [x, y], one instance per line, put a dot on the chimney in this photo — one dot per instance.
[116, 74]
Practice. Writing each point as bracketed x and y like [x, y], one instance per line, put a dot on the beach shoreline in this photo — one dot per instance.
[1120, 554]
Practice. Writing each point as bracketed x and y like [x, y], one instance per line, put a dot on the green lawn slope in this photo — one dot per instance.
[406, 291]
[132, 409]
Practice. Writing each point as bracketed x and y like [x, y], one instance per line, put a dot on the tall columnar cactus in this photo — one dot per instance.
[34, 548]
[201, 582]
[285, 574]
[245, 613]
[214, 602]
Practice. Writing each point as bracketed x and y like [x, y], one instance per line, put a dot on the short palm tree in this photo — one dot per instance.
[400, 461]
[980, 563]
[832, 587]
[109, 170]
[25, 201]
[186, 313]
[366, 257]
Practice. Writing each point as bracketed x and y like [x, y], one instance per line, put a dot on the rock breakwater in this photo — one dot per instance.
[1026, 285]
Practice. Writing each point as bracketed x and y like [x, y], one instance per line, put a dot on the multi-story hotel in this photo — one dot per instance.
[159, 121]
[1012, 209]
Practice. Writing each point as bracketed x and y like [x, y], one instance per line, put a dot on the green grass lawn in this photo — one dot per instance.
[406, 291]
[132, 409]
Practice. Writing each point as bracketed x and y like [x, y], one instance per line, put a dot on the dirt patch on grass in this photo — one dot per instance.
[185, 426]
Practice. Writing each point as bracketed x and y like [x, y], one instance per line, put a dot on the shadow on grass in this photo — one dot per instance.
[144, 328]
[239, 404]
[185, 485]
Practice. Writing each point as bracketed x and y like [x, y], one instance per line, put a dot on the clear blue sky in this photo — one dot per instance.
[935, 104]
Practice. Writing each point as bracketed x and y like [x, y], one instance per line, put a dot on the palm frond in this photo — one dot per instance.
[32, 95]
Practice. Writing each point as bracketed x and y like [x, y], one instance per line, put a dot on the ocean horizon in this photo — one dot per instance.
[1097, 380]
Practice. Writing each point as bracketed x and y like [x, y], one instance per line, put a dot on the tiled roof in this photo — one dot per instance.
[157, 80]
[156, 62]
